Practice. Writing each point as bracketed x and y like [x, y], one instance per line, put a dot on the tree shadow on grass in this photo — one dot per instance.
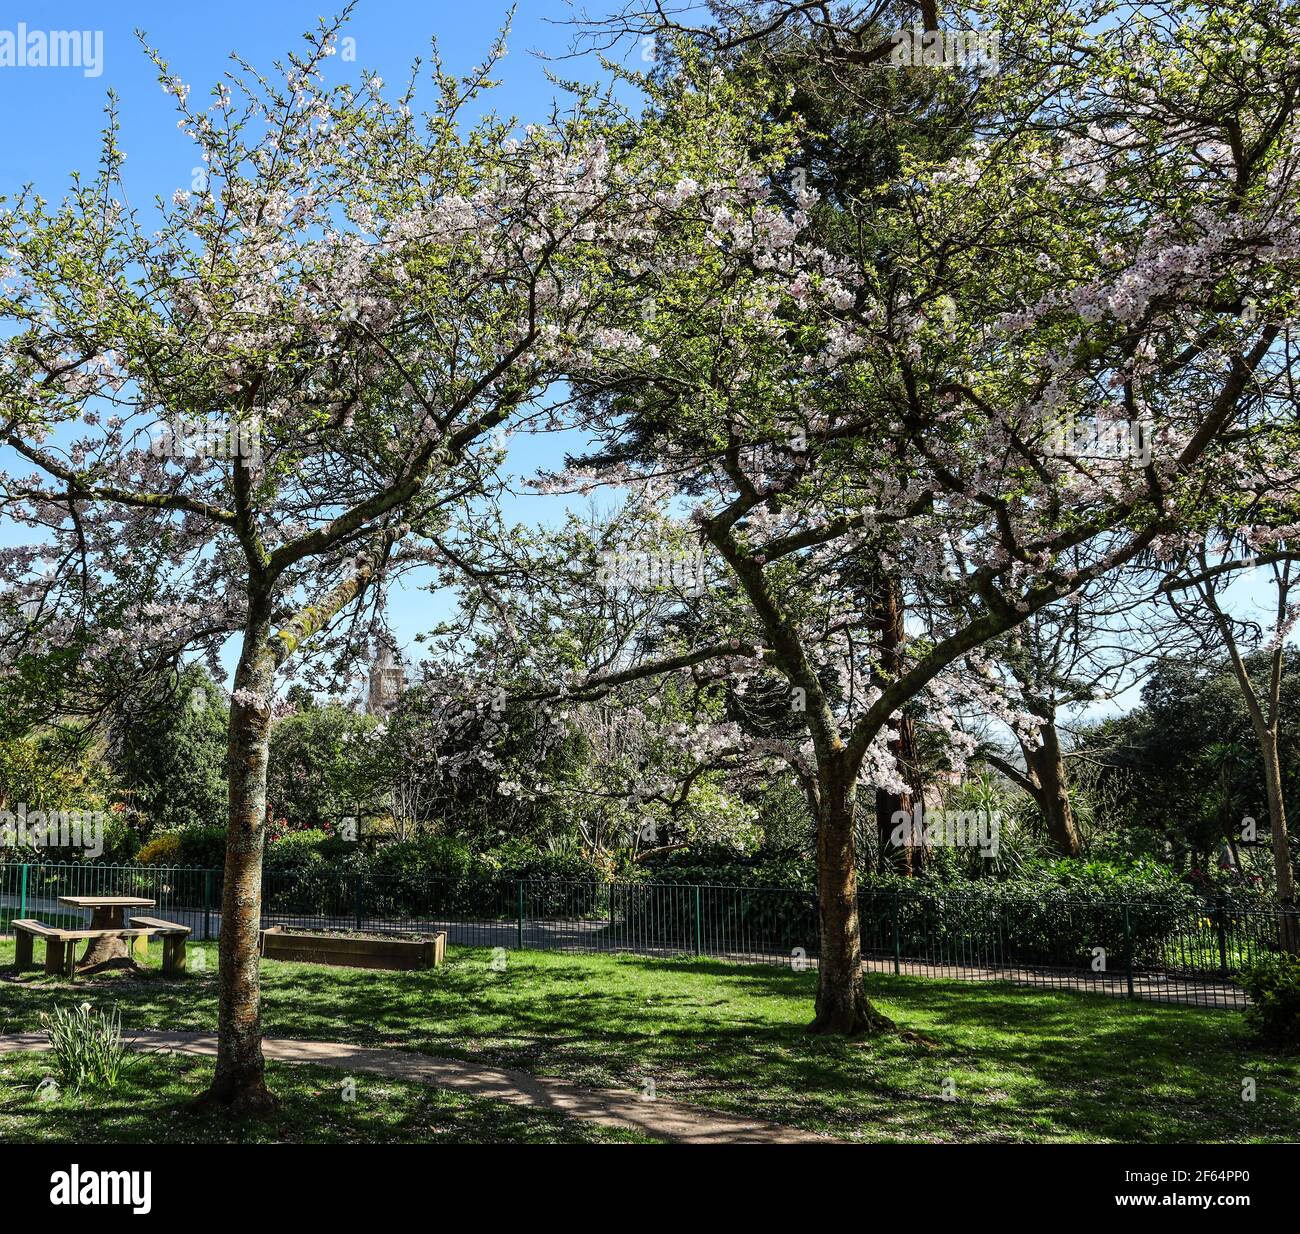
[150, 1105]
[1023, 1063]
[1018, 1062]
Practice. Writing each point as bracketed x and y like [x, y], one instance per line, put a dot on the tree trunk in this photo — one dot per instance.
[1289, 933]
[240, 1080]
[842, 1005]
[1265, 726]
[1047, 767]
[111, 951]
[907, 859]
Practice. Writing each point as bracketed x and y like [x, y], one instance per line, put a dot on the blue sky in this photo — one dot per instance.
[53, 115]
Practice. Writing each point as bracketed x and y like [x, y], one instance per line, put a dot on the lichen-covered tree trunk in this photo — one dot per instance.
[240, 1080]
[1047, 768]
[842, 1004]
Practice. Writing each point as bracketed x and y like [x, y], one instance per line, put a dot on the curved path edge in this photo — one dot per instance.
[665, 1120]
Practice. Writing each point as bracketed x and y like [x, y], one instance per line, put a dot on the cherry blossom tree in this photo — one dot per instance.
[655, 765]
[240, 413]
[1110, 255]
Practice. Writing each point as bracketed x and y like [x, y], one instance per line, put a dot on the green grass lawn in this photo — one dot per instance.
[1021, 1064]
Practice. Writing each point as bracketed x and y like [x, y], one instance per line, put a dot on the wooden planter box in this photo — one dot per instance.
[354, 952]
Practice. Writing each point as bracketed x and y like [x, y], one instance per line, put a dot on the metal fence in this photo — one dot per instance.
[1138, 948]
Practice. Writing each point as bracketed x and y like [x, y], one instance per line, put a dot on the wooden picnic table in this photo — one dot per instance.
[106, 913]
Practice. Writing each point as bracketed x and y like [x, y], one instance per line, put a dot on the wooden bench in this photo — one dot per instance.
[173, 936]
[61, 945]
[57, 954]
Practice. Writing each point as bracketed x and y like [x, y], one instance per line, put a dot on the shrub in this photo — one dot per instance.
[87, 1046]
[121, 839]
[743, 919]
[300, 880]
[1051, 913]
[725, 868]
[760, 902]
[1273, 983]
[1124, 878]
[196, 845]
[429, 857]
[162, 850]
[557, 885]
[203, 844]
[296, 849]
[429, 875]
[312, 872]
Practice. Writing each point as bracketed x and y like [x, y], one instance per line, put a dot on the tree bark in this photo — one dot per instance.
[907, 859]
[111, 951]
[1289, 934]
[239, 1083]
[842, 1005]
[1052, 793]
[240, 1080]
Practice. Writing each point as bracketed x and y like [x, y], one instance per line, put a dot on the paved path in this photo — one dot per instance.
[1177, 991]
[664, 1120]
